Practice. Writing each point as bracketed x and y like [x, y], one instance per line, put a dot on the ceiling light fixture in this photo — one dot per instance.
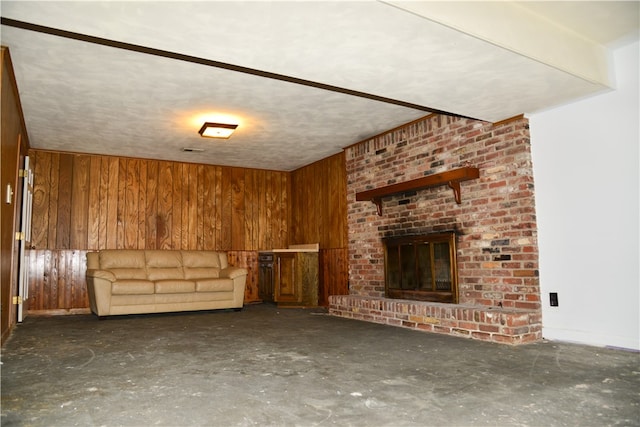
[217, 130]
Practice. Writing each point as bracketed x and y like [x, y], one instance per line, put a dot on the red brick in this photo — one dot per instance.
[489, 328]
[468, 325]
[442, 143]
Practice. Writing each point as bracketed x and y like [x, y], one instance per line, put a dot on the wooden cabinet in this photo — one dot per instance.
[296, 279]
[265, 276]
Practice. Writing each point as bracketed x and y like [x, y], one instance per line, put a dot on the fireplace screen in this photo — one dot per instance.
[422, 268]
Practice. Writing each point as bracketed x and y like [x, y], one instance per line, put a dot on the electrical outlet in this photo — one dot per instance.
[553, 299]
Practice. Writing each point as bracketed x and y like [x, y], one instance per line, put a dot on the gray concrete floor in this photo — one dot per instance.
[266, 366]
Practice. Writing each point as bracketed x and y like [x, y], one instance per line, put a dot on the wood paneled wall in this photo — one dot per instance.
[90, 202]
[334, 274]
[57, 281]
[319, 214]
[102, 202]
[319, 203]
[14, 145]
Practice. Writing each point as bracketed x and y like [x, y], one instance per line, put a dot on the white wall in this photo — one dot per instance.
[585, 164]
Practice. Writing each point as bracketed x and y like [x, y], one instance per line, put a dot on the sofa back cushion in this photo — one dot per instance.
[123, 263]
[121, 258]
[201, 264]
[164, 265]
[201, 259]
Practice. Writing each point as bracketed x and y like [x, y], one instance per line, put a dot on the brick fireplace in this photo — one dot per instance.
[494, 224]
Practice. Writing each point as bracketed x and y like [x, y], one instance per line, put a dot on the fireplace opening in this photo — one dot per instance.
[422, 267]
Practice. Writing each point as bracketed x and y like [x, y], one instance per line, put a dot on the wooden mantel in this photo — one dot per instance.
[452, 178]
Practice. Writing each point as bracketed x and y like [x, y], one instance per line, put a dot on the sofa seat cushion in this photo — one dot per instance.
[193, 297]
[175, 286]
[157, 274]
[132, 287]
[214, 285]
[123, 300]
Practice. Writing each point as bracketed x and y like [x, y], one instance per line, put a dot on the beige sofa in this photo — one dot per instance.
[152, 281]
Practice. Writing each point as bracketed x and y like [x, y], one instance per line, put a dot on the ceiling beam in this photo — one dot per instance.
[211, 63]
[510, 25]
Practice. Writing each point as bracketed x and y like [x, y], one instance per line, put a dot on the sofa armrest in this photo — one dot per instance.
[99, 290]
[233, 272]
[239, 277]
[102, 274]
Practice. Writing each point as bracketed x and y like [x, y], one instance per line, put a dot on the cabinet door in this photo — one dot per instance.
[287, 288]
[265, 282]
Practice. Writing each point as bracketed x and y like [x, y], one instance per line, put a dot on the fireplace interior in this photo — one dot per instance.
[422, 268]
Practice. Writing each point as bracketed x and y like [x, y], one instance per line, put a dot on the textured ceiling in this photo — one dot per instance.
[302, 79]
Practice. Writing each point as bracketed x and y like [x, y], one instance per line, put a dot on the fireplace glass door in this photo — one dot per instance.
[422, 268]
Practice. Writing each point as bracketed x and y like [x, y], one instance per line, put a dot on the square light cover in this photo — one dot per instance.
[217, 130]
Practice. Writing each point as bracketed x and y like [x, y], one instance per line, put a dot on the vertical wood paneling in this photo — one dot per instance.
[180, 228]
[151, 206]
[57, 280]
[165, 204]
[103, 203]
[248, 260]
[65, 282]
[180, 210]
[285, 210]
[227, 208]
[209, 205]
[265, 213]
[41, 192]
[93, 214]
[238, 209]
[249, 216]
[112, 203]
[51, 283]
[319, 214]
[13, 148]
[85, 202]
[36, 279]
[337, 200]
[334, 274]
[192, 179]
[278, 216]
[200, 210]
[157, 204]
[142, 205]
[54, 180]
[217, 203]
[65, 177]
[79, 202]
[121, 203]
[319, 205]
[131, 204]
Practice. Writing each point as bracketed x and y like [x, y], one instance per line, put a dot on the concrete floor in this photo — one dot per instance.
[290, 367]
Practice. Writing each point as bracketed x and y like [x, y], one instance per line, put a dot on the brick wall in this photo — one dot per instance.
[495, 223]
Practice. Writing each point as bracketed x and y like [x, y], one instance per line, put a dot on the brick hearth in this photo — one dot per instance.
[510, 326]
